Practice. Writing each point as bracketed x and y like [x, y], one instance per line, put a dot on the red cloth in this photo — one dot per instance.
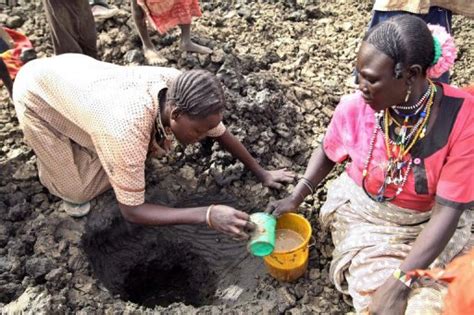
[11, 57]
[166, 14]
[448, 171]
[469, 89]
[460, 275]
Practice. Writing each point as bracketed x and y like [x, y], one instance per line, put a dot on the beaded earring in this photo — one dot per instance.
[408, 94]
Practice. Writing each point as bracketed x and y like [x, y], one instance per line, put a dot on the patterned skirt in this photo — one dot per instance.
[166, 14]
[371, 240]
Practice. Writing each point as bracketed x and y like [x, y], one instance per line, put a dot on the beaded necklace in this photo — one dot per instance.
[397, 151]
[421, 110]
[417, 104]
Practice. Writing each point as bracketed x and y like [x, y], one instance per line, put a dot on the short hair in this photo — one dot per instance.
[406, 39]
[197, 93]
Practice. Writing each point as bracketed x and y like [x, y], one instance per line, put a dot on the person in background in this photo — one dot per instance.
[164, 15]
[15, 51]
[72, 27]
[92, 125]
[404, 201]
[436, 12]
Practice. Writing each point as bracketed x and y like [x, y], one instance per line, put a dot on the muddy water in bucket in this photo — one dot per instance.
[289, 260]
[287, 240]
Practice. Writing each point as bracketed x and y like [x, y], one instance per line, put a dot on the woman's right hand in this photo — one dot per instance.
[281, 206]
[231, 222]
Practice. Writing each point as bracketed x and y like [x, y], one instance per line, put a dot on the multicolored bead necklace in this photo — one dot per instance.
[399, 163]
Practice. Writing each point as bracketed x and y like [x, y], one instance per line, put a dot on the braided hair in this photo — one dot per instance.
[197, 93]
[406, 39]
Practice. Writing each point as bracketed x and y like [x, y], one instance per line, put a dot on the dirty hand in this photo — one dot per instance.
[281, 206]
[231, 222]
[273, 179]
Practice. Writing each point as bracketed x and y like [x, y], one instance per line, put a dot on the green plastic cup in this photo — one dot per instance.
[262, 241]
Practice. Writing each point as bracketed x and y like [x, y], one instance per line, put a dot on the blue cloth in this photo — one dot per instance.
[436, 15]
[3, 45]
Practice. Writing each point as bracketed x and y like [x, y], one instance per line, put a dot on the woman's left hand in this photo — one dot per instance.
[391, 298]
[273, 179]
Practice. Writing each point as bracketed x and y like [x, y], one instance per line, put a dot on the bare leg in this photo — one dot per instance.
[188, 45]
[151, 55]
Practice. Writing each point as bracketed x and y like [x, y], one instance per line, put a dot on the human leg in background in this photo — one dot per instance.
[151, 55]
[186, 43]
[72, 26]
[436, 15]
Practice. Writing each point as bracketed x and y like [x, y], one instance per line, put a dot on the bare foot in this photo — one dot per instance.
[193, 47]
[152, 57]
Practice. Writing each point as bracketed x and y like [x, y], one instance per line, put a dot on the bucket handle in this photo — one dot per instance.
[313, 242]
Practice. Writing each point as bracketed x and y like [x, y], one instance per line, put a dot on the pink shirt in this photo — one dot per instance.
[443, 168]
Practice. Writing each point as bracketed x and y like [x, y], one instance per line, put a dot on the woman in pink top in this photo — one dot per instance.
[409, 147]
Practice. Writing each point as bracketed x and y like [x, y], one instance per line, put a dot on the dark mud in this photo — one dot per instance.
[284, 65]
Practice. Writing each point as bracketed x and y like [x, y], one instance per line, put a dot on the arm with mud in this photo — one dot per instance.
[222, 218]
[319, 167]
[271, 179]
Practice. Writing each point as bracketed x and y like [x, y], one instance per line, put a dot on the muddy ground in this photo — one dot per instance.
[284, 65]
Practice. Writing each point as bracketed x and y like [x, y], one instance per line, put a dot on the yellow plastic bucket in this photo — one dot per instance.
[290, 265]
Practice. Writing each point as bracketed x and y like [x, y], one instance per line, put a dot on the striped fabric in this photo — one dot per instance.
[371, 241]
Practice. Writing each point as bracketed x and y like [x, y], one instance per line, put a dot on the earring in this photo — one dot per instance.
[168, 133]
[408, 94]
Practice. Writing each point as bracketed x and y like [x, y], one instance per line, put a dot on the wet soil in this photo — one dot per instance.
[284, 65]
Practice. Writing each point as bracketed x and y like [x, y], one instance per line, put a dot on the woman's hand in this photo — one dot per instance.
[391, 298]
[273, 179]
[231, 222]
[281, 206]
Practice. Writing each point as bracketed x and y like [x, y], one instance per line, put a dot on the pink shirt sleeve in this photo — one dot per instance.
[455, 187]
[341, 132]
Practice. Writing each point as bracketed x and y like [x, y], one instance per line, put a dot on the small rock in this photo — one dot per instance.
[55, 274]
[297, 16]
[15, 21]
[299, 290]
[204, 60]
[218, 56]
[346, 26]
[38, 267]
[25, 172]
[15, 154]
[314, 274]
[38, 199]
[134, 56]
[246, 13]
[187, 172]
[18, 212]
[285, 299]
[5, 265]
[317, 289]
[313, 12]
